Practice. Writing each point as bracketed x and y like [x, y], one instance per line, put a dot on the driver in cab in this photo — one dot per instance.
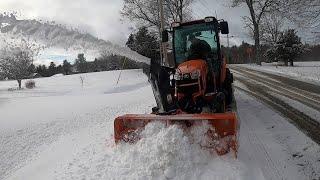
[199, 49]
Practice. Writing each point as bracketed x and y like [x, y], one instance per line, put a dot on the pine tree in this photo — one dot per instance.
[66, 67]
[52, 69]
[42, 70]
[32, 69]
[287, 48]
[81, 63]
[130, 42]
[144, 43]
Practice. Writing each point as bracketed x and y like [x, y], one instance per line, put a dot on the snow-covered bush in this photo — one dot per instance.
[30, 84]
[16, 58]
[287, 48]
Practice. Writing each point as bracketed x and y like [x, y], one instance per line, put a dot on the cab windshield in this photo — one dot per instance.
[195, 41]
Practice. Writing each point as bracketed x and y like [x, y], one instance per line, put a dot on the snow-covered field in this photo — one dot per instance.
[63, 130]
[302, 70]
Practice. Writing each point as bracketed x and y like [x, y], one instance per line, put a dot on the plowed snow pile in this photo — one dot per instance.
[162, 153]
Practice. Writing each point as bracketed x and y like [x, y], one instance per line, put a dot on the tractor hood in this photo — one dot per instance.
[192, 66]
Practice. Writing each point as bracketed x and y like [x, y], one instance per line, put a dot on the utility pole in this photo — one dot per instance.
[229, 51]
[180, 10]
[161, 14]
[163, 46]
[228, 40]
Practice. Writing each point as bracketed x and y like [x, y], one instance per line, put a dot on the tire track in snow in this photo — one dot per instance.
[302, 121]
[289, 148]
[23, 146]
[263, 89]
[311, 90]
[308, 98]
[99, 131]
[271, 169]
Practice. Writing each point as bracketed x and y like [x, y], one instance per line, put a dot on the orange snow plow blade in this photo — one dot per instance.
[222, 127]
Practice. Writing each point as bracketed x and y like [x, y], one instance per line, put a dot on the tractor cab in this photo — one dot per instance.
[198, 69]
[196, 44]
[195, 40]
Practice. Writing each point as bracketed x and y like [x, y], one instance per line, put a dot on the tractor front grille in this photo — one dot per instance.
[187, 86]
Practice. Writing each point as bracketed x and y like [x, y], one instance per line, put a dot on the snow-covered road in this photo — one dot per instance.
[297, 100]
[274, 144]
[61, 130]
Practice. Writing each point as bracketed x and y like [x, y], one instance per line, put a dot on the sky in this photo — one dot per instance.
[102, 17]
[98, 17]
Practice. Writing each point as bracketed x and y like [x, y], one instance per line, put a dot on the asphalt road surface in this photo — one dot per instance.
[281, 93]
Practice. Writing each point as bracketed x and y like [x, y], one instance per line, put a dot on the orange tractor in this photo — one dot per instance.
[195, 86]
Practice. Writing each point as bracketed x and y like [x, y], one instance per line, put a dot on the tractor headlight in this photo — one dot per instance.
[209, 19]
[178, 77]
[195, 75]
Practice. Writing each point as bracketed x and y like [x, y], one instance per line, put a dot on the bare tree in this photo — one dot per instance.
[297, 11]
[257, 10]
[304, 13]
[15, 60]
[271, 28]
[146, 11]
[179, 10]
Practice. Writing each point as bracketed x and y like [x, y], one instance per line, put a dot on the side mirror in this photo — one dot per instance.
[165, 36]
[224, 27]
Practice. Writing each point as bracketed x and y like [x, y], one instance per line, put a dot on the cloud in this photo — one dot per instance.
[102, 17]
[98, 17]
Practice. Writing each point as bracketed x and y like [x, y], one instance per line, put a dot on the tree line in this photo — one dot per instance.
[16, 63]
[287, 49]
[81, 65]
[265, 23]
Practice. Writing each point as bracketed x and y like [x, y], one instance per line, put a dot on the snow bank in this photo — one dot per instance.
[301, 70]
[57, 75]
[162, 153]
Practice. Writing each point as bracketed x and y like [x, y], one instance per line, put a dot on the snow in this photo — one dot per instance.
[63, 130]
[161, 153]
[2, 25]
[302, 70]
[57, 75]
[311, 112]
[270, 142]
[59, 42]
[57, 107]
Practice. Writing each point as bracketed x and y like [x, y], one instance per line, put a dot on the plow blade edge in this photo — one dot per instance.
[222, 126]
